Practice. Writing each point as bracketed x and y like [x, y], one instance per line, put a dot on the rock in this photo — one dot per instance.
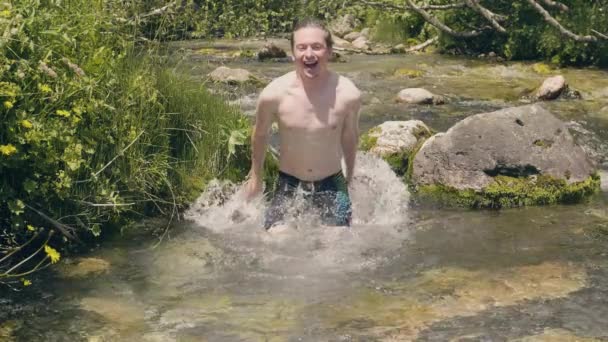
[341, 43]
[343, 25]
[394, 141]
[551, 88]
[270, 50]
[7, 329]
[85, 267]
[361, 43]
[396, 136]
[492, 54]
[352, 36]
[604, 110]
[375, 100]
[366, 32]
[227, 75]
[418, 96]
[515, 156]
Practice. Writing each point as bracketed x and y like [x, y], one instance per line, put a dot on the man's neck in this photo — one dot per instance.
[314, 83]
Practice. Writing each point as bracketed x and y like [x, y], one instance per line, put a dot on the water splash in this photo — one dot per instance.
[303, 245]
[378, 195]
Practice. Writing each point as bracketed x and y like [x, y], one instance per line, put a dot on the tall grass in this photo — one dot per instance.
[96, 129]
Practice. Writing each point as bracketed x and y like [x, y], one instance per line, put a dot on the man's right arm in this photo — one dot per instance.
[265, 112]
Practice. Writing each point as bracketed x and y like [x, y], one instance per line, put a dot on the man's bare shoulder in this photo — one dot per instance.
[275, 90]
[348, 90]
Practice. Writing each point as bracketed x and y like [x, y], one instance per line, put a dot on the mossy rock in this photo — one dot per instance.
[399, 161]
[507, 192]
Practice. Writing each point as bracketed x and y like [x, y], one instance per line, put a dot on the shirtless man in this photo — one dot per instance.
[317, 112]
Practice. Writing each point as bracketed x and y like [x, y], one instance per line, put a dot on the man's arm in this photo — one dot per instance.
[350, 136]
[259, 141]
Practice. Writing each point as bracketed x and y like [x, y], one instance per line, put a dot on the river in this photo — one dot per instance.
[401, 273]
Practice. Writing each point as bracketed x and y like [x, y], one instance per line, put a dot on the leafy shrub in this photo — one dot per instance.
[96, 130]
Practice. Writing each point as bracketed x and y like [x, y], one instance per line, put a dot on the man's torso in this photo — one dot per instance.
[310, 126]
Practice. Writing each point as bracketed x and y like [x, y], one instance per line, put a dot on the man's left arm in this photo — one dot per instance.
[350, 136]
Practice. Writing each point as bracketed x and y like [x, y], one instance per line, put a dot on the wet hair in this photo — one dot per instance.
[312, 22]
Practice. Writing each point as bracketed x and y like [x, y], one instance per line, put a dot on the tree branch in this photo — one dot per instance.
[64, 229]
[557, 4]
[439, 25]
[422, 46]
[564, 31]
[486, 13]
[408, 8]
[599, 34]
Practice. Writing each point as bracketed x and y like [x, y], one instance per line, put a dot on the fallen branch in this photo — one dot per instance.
[64, 229]
[423, 45]
[564, 31]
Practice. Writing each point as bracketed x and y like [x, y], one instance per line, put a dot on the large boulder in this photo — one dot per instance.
[343, 25]
[418, 96]
[227, 75]
[515, 156]
[395, 141]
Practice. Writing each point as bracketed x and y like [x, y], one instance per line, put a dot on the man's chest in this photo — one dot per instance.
[301, 113]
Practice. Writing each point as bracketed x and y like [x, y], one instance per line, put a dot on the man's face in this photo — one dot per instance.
[310, 51]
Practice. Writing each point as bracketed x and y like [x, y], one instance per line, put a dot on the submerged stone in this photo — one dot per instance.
[511, 157]
[402, 310]
[84, 267]
[124, 314]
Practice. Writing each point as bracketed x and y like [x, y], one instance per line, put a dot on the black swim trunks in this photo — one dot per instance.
[328, 195]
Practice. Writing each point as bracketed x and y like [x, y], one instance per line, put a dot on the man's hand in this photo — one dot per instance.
[253, 188]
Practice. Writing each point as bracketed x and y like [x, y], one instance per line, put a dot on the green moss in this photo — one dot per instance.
[411, 73]
[399, 162]
[368, 140]
[545, 143]
[541, 68]
[507, 192]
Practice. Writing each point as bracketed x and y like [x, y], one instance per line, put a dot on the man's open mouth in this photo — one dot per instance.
[311, 64]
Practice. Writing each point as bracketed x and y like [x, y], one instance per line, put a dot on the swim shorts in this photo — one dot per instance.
[328, 195]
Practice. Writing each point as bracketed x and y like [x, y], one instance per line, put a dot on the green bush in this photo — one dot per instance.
[96, 130]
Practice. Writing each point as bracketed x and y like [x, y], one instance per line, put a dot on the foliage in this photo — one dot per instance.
[529, 36]
[211, 18]
[97, 130]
